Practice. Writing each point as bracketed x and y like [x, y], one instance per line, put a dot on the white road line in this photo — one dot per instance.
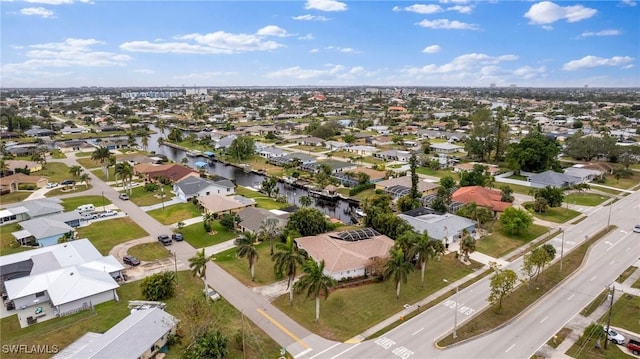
[511, 347]
[335, 356]
[614, 244]
[572, 295]
[326, 350]
[543, 319]
[303, 353]
[417, 331]
[594, 277]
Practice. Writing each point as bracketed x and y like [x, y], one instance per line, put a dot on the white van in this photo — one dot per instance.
[86, 208]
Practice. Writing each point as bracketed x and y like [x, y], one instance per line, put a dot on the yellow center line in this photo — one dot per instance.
[285, 330]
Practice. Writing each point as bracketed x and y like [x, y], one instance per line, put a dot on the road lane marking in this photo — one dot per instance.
[326, 350]
[335, 356]
[592, 278]
[303, 353]
[572, 295]
[511, 347]
[543, 319]
[417, 331]
[614, 244]
[281, 327]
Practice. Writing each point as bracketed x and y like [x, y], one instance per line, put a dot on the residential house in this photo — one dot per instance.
[39, 132]
[400, 186]
[252, 219]
[394, 155]
[259, 130]
[42, 231]
[26, 165]
[346, 254]
[382, 140]
[140, 335]
[481, 196]
[224, 142]
[219, 204]
[336, 166]
[468, 167]
[73, 145]
[57, 280]
[446, 148]
[311, 141]
[350, 178]
[583, 174]
[13, 182]
[300, 158]
[191, 187]
[381, 130]
[335, 145]
[36, 207]
[363, 151]
[272, 152]
[171, 171]
[553, 179]
[446, 227]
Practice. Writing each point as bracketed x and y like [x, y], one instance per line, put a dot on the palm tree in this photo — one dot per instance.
[397, 267]
[269, 229]
[102, 155]
[198, 265]
[423, 249]
[467, 244]
[315, 282]
[75, 171]
[246, 249]
[4, 167]
[305, 201]
[86, 179]
[287, 260]
[125, 172]
[144, 140]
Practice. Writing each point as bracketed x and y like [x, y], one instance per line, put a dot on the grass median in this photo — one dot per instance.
[523, 296]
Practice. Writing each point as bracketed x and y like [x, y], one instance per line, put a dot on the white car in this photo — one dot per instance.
[52, 185]
[615, 337]
[108, 213]
[212, 294]
[637, 228]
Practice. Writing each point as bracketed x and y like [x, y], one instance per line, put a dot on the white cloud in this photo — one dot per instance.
[346, 50]
[330, 73]
[528, 72]
[325, 5]
[219, 42]
[306, 37]
[463, 63]
[461, 9]
[205, 75]
[309, 17]
[601, 33]
[454, 1]
[547, 12]
[272, 30]
[629, 3]
[144, 71]
[431, 49]
[591, 61]
[314, 51]
[447, 24]
[37, 11]
[57, 2]
[420, 9]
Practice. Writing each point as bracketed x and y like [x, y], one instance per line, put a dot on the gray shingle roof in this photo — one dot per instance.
[554, 179]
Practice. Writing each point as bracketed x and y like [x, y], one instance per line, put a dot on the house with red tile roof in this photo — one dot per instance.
[482, 196]
[172, 171]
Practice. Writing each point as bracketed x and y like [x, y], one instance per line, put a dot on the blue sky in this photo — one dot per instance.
[62, 43]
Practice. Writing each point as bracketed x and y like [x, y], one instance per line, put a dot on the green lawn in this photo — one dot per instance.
[585, 199]
[436, 173]
[636, 284]
[310, 148]
[624, 183]
[196, 236]
[143, 198]
[8, 243]
[55, 171]
[88, 163]
[557, 214]
[239, 267]
[72, 203]
[79, 188]
[261, 199]
[107, 234]
[499, 244]
[175, 213]
[369, 304]
[83, 154]
[14, 197]
[149, 251]
[63, 331]
[589, 351]
[515, 187]
[100, 174]
[626, 274]
[626, 312]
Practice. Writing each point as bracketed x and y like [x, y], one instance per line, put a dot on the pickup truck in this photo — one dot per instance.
[634, 346]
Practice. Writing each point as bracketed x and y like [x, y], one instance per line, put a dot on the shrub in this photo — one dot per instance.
[360, 188]
[151, 187]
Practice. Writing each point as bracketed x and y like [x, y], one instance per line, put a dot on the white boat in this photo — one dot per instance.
[360, 213]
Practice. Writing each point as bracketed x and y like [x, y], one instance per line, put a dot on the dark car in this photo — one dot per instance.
[177, 237]
[164, 239]
[67, 182]
[130, 260]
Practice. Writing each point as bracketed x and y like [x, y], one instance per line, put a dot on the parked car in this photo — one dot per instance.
[124, 196]
[637, 228]
[615, 337]
[177, 237]
[89, 215]
[634, 346]
[130, 260]
[164, 239]
[108, 213]
[52, 185]
[212, 294]
[68, 182]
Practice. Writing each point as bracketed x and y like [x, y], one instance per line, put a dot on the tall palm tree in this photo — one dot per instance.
[423, 249]
[198, 265]
[246, 249]
[85, 178]
[467, 244]
[315, 282]
[102, 155]
[287, 260]
[4, 167]
[398, 268]
[124, 170]
[144, 140]
[269, 229]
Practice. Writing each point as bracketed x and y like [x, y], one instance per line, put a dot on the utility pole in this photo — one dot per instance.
[613, 290]
[175, 263]
[609, 218]
[562, 250]
[455, 317]
[244, 352]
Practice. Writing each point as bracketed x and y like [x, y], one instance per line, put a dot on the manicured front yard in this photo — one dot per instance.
[349, 311]
[8, 243]
[72, 203]
[63, 331]
[499, 244]
[624, 183]
[149, 251]
[100, 174]
[108, 233]
[144, 198]
[585, 199]
[239, 267]
[557, 214]
[55, 171]
[88, 163]
[195, 235]
[175, 213]
[78, 188]
[14, 197]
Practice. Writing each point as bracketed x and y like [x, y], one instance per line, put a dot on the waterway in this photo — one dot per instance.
[339, 209]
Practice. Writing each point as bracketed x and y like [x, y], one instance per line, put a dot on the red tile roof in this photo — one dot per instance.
[482, 196]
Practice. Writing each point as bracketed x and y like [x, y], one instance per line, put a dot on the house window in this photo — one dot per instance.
[207, 193]
[40, 294]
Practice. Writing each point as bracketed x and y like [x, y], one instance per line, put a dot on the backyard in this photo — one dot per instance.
[196, 236]
[261, 199]
[108, 233]
[498, 244]
[8, 243]
[175, 213]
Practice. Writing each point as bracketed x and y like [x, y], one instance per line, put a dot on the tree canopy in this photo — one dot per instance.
[515, 220]
[534, 153]
[308, 222]
[242, 148]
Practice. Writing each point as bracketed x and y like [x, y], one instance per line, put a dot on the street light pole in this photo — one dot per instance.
[103, 207]
[162, 196]
[613, 291]
[455, 317]
[562, 250]
[609, 218]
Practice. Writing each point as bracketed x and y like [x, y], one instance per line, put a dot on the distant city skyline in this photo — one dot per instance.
[73, 43]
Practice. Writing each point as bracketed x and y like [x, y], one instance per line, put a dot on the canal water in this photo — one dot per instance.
[339, 209]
